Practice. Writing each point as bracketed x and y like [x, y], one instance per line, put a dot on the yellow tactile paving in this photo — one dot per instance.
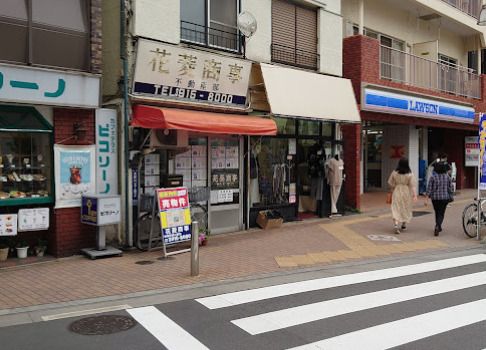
[319, 257]
[359, 246]
[302, 259]
[350, 254]
[285, 261]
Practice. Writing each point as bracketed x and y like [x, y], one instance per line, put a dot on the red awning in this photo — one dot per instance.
[152, 117]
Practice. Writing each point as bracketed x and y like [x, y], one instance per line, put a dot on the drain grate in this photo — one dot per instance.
[144, 262]
[420, 213]
[101, 325]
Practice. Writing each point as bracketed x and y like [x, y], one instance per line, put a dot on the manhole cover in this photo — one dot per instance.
[144, 262]
[100, 325]
[420, 213]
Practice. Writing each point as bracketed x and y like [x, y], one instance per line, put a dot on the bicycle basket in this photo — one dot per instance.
[198, 194]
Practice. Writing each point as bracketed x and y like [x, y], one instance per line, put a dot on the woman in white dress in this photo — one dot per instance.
[403, 185]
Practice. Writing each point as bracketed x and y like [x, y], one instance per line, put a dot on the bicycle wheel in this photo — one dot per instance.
[199, 213]
[470, 220]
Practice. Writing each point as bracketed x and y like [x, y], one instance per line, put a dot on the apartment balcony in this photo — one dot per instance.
[217, 36]
[294, 57]
[470, 7]
[369, 65]
[401, 67]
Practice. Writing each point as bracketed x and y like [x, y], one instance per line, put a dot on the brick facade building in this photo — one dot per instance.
[69, 94]
[361, 64]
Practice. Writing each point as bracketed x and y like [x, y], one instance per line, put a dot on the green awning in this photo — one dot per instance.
[23, 119]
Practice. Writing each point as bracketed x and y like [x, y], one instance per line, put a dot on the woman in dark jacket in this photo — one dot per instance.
[439, 190]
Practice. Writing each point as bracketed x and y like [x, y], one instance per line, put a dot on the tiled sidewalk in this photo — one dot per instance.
[311, 243]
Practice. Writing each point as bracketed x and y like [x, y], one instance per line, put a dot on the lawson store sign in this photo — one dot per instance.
[389, 102]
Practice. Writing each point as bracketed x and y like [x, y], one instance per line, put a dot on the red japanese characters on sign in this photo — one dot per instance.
[173, 198]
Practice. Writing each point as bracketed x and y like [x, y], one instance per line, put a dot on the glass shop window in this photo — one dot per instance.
[25, 157]
[271, 171]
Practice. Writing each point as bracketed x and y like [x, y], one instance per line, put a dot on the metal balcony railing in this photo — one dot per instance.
[216, 36]
[401, 67]
[294, 57]
[470, 7]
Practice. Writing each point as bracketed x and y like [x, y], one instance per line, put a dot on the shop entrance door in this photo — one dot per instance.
[225, 175]
[373, 140]
[312, 155]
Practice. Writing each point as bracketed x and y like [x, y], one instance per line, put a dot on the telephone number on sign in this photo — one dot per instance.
[192, 94]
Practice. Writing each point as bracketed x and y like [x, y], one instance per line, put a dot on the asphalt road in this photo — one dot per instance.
[432, 305]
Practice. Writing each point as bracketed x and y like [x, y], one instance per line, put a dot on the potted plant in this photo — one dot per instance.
[41, 247]
[22, 248]
[203, 237]
[4, 248]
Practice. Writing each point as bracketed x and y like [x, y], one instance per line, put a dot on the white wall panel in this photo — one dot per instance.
[330, 43]
[157, 19]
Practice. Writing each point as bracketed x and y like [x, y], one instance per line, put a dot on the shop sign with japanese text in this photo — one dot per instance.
[175, 214]
[48, 87]
[106, 151]
[100, 210]
[172, 72]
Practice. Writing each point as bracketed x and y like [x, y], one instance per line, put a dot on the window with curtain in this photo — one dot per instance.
[62, 24]
[210, 23]
[294, 35]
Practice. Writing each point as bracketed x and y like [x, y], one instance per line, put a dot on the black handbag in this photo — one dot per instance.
[451, 197]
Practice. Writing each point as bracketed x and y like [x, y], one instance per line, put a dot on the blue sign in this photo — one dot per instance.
[187, 93]
[482, 152]
[384, 101]
[89, 210]
[177, 234]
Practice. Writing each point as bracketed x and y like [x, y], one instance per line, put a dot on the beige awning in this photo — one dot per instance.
[297, 93]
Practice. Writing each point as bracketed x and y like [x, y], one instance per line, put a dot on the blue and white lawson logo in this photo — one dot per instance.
[384, 101]
[423, 107]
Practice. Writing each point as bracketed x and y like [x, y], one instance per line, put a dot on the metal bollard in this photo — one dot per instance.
[194, 249]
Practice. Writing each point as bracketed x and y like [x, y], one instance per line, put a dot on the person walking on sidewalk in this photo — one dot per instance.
[439, 190]
[403, 186]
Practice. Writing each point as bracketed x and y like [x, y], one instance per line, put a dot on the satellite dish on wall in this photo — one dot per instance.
[247, 24]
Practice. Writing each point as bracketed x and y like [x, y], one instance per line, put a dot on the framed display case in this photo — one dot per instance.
[225, 170]
[25, 157]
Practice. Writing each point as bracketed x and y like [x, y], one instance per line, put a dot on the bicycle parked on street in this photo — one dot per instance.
[470, 217]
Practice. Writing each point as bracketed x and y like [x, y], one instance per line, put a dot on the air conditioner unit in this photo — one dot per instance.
[169, 139]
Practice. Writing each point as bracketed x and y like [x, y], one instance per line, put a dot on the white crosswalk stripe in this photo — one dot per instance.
[171, 335]
[444, 310]
[317, 311]
[388, 335]
[252, 295]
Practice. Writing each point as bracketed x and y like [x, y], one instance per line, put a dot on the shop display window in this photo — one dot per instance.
[327, 129]
[25, 157]
[309, 127]
[271, 171]
[192, 164]
[285, 126]
[225, 170]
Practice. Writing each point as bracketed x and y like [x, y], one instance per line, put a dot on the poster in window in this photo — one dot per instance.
[471, 147]
[74, 174]
[8, 225]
